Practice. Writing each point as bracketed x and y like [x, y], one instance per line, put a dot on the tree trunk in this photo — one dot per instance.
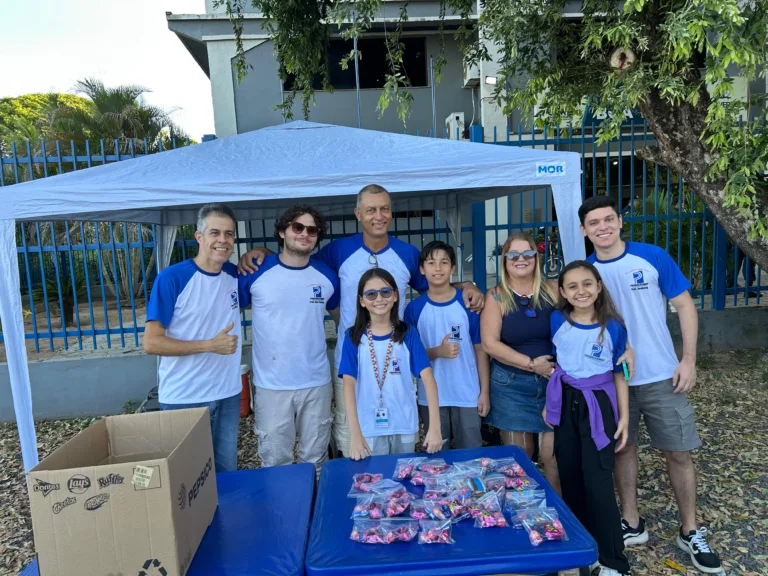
[678, 130]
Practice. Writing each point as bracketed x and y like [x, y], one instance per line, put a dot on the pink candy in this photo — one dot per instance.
[434, 468]
[435, 536]
[404, 472]
[535, 537]
[513, 469]
[491, 519]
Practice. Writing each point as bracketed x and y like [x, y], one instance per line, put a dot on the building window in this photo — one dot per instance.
[373, 64]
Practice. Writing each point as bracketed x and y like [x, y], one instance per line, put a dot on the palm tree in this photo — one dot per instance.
[118, 113]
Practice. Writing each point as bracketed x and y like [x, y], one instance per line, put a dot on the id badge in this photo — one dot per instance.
[382, 418]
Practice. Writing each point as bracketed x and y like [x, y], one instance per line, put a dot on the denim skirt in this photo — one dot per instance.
[517, 400]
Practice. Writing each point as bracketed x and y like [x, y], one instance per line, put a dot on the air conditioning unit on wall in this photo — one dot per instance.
[471, 76]
[454, 123]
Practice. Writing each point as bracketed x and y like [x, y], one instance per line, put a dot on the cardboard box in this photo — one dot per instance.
[131, 495]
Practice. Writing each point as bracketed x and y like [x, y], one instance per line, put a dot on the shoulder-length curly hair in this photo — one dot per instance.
[285, 219]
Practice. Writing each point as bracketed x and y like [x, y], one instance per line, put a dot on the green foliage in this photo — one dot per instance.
[108, 113]
[664, 58]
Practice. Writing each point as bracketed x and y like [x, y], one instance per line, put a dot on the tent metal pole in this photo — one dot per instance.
[357, 84]
[432, 84]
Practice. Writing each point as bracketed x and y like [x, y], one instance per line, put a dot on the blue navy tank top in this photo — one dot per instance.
[529, 336]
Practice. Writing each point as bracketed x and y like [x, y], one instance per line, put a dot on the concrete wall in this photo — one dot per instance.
[98, 385]
[259, 92]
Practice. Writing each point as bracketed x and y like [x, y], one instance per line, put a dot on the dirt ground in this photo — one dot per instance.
[730, 402]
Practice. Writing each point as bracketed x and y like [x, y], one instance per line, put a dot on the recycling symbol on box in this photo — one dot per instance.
[152, 563]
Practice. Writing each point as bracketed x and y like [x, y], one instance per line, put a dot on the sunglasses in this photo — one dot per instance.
[514, 255]
[373, 261]
[526, 303]
[298, 228]
[386, 294]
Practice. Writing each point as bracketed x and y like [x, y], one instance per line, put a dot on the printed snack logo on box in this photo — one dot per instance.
[94, 500]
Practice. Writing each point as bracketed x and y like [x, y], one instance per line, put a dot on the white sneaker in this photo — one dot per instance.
[598, 570]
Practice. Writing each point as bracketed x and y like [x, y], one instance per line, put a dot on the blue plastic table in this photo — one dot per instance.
[476, 551]
[260, 527]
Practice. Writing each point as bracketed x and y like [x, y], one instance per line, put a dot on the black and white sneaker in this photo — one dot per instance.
[702, 556]
[598, 570]
[634, 536]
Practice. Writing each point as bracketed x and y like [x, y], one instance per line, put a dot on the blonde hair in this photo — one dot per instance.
[542, 293]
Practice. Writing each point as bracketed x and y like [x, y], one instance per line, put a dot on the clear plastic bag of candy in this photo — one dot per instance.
[378, 506]
[459, 502]
[368, 507]
[481, 465]
[509, 467]
[495, 482]
[470, 468]
[384, 531]
[542, 524]
[428, 468]
[418, 509]
[435, 532]
[488, 512]
[515, 501]
[384, 486]
[521, 483]
[405, 467]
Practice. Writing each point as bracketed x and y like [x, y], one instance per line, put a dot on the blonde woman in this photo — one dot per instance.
[515, 332]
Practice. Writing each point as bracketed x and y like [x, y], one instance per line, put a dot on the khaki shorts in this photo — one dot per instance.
[668, 417]
[341, 436]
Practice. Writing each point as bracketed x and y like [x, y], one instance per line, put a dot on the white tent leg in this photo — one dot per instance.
[15, 349]
[567, 201]
[165, 237]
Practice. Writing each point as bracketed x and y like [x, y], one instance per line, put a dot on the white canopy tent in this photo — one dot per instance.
[260, 174]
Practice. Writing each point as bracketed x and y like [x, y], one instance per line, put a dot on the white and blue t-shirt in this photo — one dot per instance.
[408, 360]
[192, 304]
[640, 281]
[581, 351]
[458, 383]
[350, 258]
[288, 326]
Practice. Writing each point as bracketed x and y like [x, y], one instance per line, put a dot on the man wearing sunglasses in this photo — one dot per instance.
[349, 257]
[289, 295]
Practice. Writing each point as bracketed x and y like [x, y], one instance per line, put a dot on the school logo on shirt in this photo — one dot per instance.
[394, 367]
[456, 332]
[595, 351]
[638, 280]
[317, 294]
[234, 304]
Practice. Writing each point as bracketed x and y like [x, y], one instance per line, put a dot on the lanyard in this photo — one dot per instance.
[374, 363]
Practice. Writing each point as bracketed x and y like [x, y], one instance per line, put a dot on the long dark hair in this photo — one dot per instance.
[604, 306]
[363, 317]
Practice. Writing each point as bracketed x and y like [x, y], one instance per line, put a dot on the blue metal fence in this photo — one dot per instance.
[86, 284]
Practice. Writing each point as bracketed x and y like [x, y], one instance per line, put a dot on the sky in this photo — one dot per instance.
[54, 43]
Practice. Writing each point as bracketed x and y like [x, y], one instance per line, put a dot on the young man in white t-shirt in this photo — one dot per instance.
[193, 324]
[641, 278]
[289, 295]
[350, 257]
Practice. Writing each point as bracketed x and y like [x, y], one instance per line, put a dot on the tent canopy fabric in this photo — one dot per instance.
[261, 173]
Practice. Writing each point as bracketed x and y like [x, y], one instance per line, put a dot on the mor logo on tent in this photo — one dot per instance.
[550, 169]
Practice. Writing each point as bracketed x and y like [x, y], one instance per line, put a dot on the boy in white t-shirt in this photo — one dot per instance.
[451, 335]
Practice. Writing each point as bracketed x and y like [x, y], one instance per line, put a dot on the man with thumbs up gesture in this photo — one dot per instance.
[193, 324]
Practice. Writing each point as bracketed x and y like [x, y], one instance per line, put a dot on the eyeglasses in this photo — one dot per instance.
[372, 260]
[298, 228]
[514, 255]
[526, 303]
[386, 294]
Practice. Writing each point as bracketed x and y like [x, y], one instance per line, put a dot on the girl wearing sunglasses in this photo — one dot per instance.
[515, 332]
[380, 356]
